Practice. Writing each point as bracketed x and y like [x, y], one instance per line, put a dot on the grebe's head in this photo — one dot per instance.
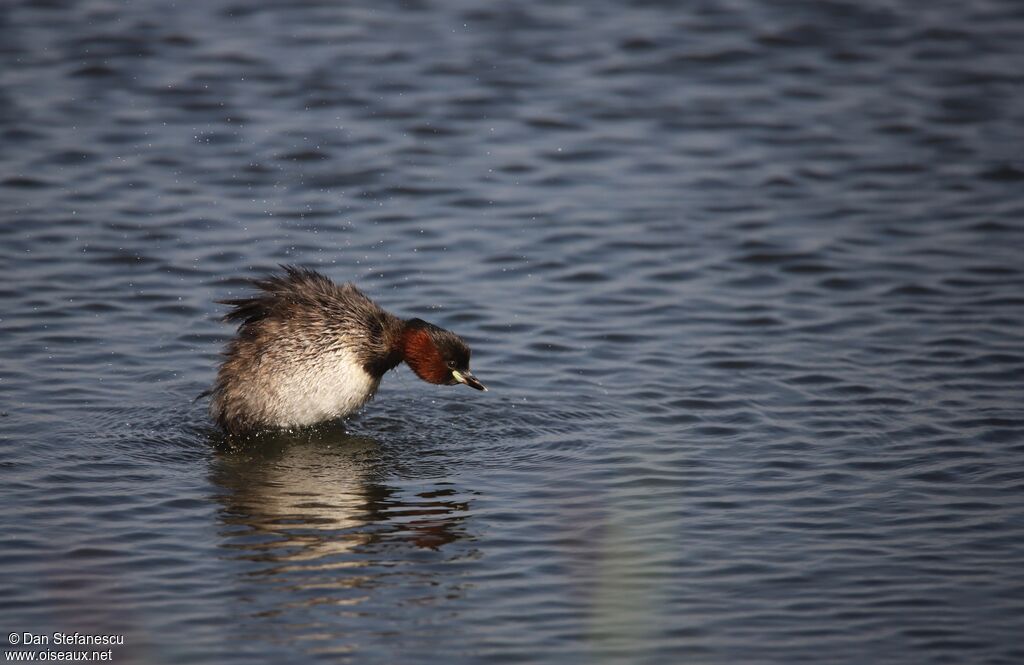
[437, 355]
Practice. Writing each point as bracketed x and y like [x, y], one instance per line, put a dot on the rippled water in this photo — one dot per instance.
[744, 278]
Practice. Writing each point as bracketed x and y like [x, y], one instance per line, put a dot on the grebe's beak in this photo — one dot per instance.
[468, 378]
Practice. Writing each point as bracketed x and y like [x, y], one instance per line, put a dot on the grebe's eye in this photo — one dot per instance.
[451, 364]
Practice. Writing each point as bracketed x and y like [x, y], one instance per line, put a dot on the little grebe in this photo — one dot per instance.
[309, 350]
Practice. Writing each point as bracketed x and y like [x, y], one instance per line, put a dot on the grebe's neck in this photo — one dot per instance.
[420, 353]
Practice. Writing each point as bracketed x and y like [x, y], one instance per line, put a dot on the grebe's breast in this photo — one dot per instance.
[333, 385]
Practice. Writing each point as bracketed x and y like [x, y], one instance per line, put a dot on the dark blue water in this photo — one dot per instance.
[746, 280]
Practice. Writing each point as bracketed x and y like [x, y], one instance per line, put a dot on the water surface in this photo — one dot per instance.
[745, 281]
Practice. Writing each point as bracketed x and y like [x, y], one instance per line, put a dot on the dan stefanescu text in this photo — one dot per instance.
[71, 639]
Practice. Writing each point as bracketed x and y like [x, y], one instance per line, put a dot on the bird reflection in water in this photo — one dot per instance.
[314, 516]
